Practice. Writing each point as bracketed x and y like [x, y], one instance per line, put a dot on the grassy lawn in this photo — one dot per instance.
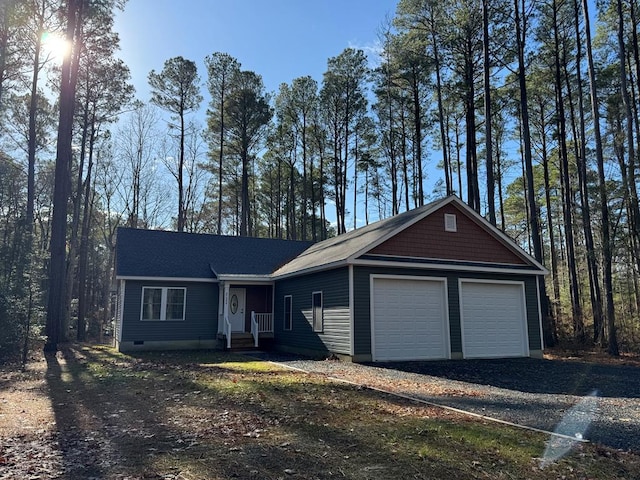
[91, 412]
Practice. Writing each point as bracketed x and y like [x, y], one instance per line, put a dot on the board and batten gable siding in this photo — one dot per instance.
[336, 335]
[362, 304]
[428, 238]
[201, 314]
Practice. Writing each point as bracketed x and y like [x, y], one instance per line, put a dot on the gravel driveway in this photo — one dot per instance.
[531, 392]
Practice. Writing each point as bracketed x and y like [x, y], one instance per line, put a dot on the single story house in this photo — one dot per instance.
[436, 282]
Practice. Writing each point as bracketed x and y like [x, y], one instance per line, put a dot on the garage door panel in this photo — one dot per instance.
[409, 319]
[493, 319]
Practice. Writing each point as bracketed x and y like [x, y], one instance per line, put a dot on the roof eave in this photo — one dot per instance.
[314, 269]
[165, 279]
[449, 266]
[245, 278]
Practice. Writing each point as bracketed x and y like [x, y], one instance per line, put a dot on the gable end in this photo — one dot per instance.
[433, 237]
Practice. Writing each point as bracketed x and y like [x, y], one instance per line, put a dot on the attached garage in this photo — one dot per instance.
[410, 318]
[493, 319]
[434, 283]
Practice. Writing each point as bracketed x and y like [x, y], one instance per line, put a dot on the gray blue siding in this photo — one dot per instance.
[201, 316]
[336, 336]
[362, 302]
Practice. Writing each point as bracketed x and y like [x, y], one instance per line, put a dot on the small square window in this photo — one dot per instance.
[450, 224]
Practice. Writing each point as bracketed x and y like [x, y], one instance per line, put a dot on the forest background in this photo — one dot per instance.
[527, 110]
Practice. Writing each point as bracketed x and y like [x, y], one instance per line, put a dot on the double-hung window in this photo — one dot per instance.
[288, 312]
[163, 303]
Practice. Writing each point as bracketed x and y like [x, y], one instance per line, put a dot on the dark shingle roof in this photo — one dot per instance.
[156, 253]
[338, 249]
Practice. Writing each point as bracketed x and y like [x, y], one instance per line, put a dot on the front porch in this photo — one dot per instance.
[245, 317]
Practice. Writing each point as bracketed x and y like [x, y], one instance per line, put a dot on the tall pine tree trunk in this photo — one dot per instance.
[31, 144]
[84, 246]
[550, 222]
[441, 120]
[576, 304]
[417, 122]
[181, 207]
[521, 30]
[631, 152]
[491, 202]
[56, 310]
[592, 264]
[473, 194]
[602, 186]
[220, 161]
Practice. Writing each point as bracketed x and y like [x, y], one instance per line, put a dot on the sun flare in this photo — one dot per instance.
[55, 47]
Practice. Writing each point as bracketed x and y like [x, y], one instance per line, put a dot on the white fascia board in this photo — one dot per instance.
[247, 279]
[167, 279]
[445, 261]
[444, 266]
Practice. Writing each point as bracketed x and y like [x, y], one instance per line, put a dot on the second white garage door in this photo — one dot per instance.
[493, 319]
[409, 319]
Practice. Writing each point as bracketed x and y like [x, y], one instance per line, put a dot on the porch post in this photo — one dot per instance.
[225, 314]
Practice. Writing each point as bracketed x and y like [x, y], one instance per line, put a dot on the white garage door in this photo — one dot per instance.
[493, 320]
[409, 319]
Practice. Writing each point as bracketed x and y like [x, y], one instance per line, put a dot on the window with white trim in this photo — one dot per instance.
[288, 312]
[317, 311]
[163, 303]
[450, 224]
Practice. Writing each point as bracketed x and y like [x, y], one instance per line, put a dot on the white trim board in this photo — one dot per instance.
[445, 266]
[167, 279]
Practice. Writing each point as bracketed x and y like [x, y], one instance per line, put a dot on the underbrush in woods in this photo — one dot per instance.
[90, 412]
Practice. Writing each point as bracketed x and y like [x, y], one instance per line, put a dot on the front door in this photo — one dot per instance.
[236, 309]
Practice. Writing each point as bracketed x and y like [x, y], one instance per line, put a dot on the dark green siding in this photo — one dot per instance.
[201, 317]
[455, 330]
[334, 285]
[361, 307]
[533, 325]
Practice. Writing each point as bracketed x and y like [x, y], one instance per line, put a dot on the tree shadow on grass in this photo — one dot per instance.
[158, 421]
[106, 423]
[164, 419]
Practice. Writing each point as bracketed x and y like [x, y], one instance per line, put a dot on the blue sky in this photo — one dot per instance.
[278, 39]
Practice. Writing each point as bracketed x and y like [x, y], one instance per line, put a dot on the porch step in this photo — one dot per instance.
[244, 342]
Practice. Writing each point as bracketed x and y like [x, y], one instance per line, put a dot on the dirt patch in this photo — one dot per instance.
[594, 355]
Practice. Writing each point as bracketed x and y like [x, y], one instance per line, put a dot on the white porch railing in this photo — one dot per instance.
[260, 323]
[265, 322]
